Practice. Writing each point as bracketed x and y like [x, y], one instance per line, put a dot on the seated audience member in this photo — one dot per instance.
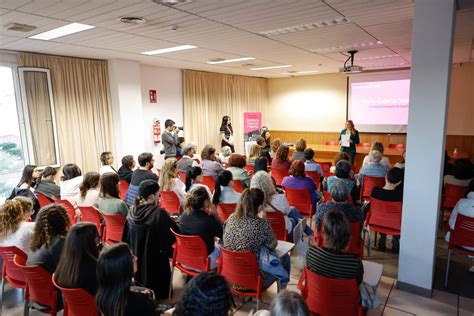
[14, 228]
[107, 159]
[196, 156]
[170, 180]
[374, 168]
[89, 190]
[464, 207]
[206, 294]
[200, 218]
[50, 232]
[78, 262]
[223, 192]
[263, 151]
[340, 156]
[462, 173]
[194, 178]
[187, 161]
[343, 173]
[297, 179]
[46, 184]
[126, 169]
[244, 230]
[281, 160]
[225, 153]
[70, 182]
[448, 166]
[146, 218]
[340, 197]
[401, 165]
[261, 164]
[393, 192]
[236, 166]
[310, 164]
[289, 303]
[331, 260]
[378, 146]
[145, 162]
[209, 164]
[275, 144]
[115, 270]
[29, 177]
[300, 147]
[109, 196]
[254, 153]
[179, 147]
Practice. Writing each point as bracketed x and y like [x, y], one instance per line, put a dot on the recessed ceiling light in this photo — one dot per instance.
[62, 31]
[305, 27]
[229, 60]
[305, 72]
[169, 50]
[378, 57]
[131, 19]
[333, 49]
[271, 67]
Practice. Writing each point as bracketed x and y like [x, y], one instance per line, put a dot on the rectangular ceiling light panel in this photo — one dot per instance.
[62, 31]
[229, 60]
[271, 67]
[169, 50]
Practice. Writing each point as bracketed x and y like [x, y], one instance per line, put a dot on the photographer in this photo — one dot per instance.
[170, 139]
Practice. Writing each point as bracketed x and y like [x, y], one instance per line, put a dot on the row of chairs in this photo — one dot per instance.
[367, 145]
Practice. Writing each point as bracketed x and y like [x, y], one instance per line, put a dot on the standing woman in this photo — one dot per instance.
[353, 139]
[227, 133]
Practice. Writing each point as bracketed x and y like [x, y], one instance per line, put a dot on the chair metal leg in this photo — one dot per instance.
[369, 246]
[1, 295]
[258, 303]
[278, 286]
[26, 308]
[171, 285]
[447, 269]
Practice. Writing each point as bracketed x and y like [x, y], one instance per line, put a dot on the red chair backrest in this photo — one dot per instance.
[249, 168]
[463, 233]
[328, 297]
[43, 200]
[14, 275]
[365, 145]
[191, 251]
[452, 194]
[278, 174]
[331, 143]
[71, 211]
[300, 199]
[77, 302]
[315, 176]
[210, 182]
[40, 286]
[398, 146]
[240, 268]
[368, 184]
[114, 224]
[326, 166]
[169, 201]
[225, 210]
[386, 214]
[277, 221]
[90, 214]
[238, 186]
[182, 176]
[356, 244]
[123, 188]
[327, 197]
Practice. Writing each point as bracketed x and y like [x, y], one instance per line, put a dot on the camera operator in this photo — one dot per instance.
[170, 139]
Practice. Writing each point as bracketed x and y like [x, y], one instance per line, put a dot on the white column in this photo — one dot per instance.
[127, 109]
[433, 30]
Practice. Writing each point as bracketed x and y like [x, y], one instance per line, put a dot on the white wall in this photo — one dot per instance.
[8, 58]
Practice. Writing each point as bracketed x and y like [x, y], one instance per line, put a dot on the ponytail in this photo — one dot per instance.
[191, 176]
[223, 179]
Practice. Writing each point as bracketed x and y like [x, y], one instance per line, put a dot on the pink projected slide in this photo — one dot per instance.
[380, 102]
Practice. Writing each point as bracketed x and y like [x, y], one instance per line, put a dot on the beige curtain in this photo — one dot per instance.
[82, 105]
[210, 96]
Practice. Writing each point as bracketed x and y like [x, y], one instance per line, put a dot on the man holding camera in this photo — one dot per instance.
[170, 139]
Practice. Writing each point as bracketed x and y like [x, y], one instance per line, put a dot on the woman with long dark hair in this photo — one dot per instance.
[28, 178]
[115, 270]
[78, 262]
[227, 133]
[109, 196]
[223, 192]
[45, 184]
[70, 182]
[194, 178]
[89, 190]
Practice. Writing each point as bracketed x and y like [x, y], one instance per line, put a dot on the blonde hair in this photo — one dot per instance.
[263, 181]
[25, 203]
[12, 213]
[300, 145]
[276, 143]
[168, 174]
[254, 151]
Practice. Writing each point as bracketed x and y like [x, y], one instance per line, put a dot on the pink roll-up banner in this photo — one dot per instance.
[252, 128]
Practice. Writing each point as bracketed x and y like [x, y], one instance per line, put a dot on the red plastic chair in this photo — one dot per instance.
[326, 166]
[189, 252]
[169, 201]
[330, 297]
[113, 230]
[43, 200]
[71, 211]
[210, 182]
[90, 214]
[249, 169]
[10, 272]
[39, 285]
[277, 221]
[451, 195]
[398, 146]
[278, 174]
[368, 184]
[77, 302]
[301, 200]
[182, 176]
[356, 244]
[461, 236]
[315, 176]
[331, 143]
[384, 217]
[225, 210]
[238, 186]
[363, 145]
[241, 269]
[123, 188]
[327, 197]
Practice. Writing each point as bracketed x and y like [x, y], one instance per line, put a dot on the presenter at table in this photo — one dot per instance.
[226, 133]
[348, 139]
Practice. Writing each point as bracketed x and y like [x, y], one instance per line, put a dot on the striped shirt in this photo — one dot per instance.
[336, 265]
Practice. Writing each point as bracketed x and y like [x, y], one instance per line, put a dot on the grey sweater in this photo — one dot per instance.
[170, 142]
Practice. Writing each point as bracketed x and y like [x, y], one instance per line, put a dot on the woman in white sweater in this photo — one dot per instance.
[14, 228]
[70, 182]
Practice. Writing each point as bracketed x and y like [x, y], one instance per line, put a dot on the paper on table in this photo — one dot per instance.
[372, 272]
[345, 140]
[283, 247]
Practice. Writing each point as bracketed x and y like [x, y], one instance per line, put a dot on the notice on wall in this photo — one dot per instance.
[252, 127]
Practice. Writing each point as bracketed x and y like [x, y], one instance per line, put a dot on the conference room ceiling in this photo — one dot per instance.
[306, 34]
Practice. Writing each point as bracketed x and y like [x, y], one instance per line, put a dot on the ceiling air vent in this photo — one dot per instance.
[131, 19]
[172, 3]
[20, 27]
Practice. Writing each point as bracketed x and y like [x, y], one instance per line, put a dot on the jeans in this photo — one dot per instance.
[296, 217]
[286, 262]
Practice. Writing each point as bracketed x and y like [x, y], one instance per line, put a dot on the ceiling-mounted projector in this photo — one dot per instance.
[351, 68]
